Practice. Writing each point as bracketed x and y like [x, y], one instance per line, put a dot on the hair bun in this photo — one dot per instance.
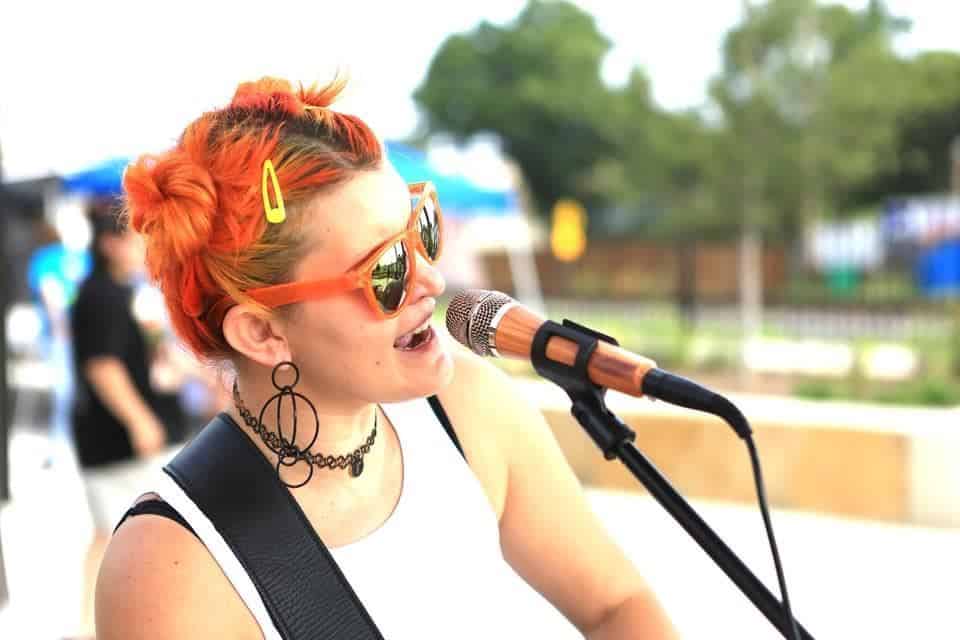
[171, 200]
[267, 94]
[275, 95]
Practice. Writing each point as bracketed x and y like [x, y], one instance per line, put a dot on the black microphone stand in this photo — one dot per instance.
[615, 440]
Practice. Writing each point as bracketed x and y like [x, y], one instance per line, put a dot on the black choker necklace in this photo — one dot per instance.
[288, 453]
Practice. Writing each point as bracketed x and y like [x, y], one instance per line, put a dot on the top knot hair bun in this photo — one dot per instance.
[274, 95]
[267, 94]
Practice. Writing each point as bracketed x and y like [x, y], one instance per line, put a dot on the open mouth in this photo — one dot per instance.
[415, 339]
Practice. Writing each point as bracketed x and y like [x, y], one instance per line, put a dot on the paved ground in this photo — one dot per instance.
[848, 579]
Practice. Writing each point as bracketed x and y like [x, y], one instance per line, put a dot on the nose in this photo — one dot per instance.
[429, 281]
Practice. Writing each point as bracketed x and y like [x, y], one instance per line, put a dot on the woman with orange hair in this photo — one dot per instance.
[288, 248]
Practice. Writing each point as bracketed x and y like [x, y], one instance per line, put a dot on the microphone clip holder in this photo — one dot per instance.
[589, 407]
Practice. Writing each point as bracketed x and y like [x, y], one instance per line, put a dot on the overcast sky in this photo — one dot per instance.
[84, 81]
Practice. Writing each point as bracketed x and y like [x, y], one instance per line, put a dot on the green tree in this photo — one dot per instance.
[813, 114]
[657, 173]
[926, 128]
[536, 83]
[802, 118]
[807, 109]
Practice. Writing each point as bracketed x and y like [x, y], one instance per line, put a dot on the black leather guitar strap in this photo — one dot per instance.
[303, 589]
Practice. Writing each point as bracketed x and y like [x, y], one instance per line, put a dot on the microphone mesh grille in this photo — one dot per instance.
[483, 315]
[470, 314]
[458, 313]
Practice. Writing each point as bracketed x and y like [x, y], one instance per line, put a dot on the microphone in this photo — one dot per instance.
[491, 323]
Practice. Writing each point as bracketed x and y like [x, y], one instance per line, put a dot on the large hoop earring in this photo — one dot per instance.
[288, 453]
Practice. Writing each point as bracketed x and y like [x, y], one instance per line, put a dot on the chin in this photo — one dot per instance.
[438, 378]
[427, 378]
[444, 373]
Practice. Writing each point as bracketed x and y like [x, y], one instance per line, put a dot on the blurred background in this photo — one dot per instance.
[762, 196]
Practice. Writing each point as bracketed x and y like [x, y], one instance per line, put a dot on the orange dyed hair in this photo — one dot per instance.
[200, 209]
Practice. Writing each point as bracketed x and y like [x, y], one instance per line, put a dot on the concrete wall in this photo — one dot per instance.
[861, 461]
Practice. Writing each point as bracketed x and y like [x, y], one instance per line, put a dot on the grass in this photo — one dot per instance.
[928, 392]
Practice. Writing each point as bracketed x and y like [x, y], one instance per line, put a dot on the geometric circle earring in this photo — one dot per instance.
[288, 453]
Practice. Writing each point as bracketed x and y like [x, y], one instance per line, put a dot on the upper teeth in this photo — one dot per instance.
[421, 327]
[409, 336]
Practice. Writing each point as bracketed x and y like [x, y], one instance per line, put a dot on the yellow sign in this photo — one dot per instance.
[568, 237]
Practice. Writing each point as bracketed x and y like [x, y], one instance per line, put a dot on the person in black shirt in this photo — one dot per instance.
[117, 432]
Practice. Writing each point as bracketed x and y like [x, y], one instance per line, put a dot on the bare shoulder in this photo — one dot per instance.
[486, 406]
[474, 392]
[480, 388]
[158, 581]
[471, 370]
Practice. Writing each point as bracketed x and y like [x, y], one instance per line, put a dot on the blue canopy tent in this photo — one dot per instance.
[459, 196]
[99, 180]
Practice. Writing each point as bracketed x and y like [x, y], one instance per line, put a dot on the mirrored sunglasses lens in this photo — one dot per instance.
[429, 225]
[390, 278]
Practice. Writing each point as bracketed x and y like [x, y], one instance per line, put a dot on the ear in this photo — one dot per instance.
[257, 336]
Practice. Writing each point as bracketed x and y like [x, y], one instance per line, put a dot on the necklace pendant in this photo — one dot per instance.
[356, 467]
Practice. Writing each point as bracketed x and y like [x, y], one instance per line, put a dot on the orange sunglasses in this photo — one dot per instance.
[385, 275]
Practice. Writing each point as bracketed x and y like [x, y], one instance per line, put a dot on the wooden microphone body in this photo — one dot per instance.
[609, 366]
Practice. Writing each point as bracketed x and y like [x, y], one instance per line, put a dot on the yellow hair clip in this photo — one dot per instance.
[278, 213]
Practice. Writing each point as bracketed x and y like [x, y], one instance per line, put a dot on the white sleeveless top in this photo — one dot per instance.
[434, 569]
